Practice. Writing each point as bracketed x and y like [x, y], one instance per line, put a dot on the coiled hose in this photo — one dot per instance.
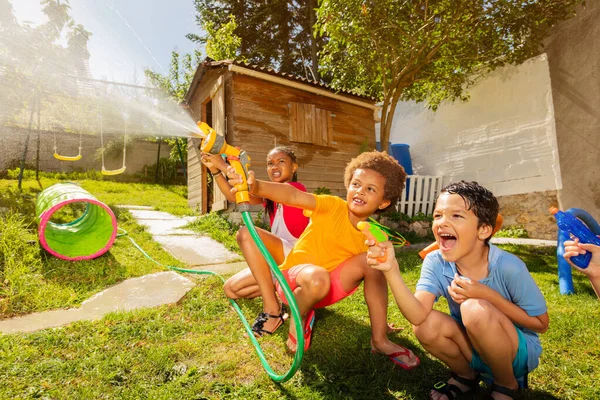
[282, 282]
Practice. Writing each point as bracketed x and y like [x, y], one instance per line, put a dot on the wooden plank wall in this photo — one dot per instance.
[259, 119]
[196, 171]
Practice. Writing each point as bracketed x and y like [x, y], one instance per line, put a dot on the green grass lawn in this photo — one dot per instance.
[196, 349]
[32, 280]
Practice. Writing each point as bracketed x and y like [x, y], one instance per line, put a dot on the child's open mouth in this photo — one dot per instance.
[358, 201]
[447, 241]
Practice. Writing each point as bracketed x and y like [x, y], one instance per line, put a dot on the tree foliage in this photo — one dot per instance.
[275, 33]
[428, 50]
[179, 78]
[222, 43]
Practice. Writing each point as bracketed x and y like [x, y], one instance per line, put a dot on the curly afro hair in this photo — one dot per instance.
[385, 165]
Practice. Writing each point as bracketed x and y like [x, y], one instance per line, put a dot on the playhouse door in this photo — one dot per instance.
[219, 202]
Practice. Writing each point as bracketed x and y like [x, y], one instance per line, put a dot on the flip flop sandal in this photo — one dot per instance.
[452, 391]
[308, 328]
[263, 317]
[395, 358]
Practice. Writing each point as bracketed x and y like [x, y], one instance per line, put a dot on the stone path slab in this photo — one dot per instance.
[194, 249]
[146, 291]
[530, 242]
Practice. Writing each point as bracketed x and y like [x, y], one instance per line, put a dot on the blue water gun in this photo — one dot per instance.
[573, 226]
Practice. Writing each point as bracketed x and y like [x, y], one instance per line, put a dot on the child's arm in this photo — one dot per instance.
[574, 248]
[278, 192]
[462, 289]
[415, 308]
[216, 165]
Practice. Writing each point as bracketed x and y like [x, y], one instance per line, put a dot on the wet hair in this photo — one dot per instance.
[385, 165]
[270, 204]
[478, 199]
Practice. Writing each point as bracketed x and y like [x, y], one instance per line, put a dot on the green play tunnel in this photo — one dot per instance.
[89, 236]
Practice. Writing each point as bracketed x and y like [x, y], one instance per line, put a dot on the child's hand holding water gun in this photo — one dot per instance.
[381, 254]
[573, 248]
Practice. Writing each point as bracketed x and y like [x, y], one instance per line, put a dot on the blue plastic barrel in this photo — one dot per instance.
[378, 145]
[401, 152]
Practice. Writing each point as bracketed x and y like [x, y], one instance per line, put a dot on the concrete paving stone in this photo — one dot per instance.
[196, 249]
[151, 214]
[530, 242]
[222, 269]
[134, 207]
[146, 291]
[166, 226]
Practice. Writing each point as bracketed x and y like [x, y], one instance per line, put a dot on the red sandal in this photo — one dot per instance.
[395, 358]
[308, 328]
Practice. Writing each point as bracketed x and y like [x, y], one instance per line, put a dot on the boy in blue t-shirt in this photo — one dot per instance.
[496, 308]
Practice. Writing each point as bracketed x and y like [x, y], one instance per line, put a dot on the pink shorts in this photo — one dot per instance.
[336, 291]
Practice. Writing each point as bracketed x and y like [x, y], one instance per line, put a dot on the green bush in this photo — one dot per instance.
[514, 231]
[322, 190]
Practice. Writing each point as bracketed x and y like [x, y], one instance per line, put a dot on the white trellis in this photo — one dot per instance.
[422, 193]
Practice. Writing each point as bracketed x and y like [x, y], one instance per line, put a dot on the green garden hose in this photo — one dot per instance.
[282, 282]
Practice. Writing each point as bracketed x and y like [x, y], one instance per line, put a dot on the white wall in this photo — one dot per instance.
[504, 137]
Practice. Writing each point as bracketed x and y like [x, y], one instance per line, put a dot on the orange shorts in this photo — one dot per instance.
[336, 291]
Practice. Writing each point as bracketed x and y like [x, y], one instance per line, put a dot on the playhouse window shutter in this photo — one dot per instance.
[309, 124]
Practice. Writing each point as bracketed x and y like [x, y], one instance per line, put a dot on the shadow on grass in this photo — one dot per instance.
[339, 364]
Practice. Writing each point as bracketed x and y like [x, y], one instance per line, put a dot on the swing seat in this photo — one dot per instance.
[113, 171]
[67, 158]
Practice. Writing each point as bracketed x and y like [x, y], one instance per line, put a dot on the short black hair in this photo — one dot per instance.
[478, 199]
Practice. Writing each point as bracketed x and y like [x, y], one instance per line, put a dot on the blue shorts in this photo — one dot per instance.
[519, 363]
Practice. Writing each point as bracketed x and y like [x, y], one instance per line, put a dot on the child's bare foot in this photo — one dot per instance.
[399, 355]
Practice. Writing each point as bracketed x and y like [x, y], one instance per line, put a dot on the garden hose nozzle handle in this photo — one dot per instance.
[214, 143]
[374, 232]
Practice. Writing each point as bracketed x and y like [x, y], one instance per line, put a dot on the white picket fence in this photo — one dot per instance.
[422, 193]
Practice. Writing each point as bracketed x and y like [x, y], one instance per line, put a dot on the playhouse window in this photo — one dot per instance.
[309, 124]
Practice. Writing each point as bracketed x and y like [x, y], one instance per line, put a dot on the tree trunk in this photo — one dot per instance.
[313, 40]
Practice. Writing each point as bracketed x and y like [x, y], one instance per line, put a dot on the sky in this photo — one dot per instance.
[127, 35]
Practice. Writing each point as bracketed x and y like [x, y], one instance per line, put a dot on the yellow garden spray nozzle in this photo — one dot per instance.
[215, 144]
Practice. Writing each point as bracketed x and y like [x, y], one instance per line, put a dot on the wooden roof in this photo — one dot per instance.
[211, 64]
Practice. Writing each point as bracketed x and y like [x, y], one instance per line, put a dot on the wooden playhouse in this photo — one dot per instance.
[257, 109]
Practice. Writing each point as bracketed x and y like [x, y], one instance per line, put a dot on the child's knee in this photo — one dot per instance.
[229, 290]
[316, 281]
[476, 314]
[429, 330]
[242, 235]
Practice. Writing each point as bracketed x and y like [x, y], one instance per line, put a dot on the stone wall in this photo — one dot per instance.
[532, 211]
[13, 140]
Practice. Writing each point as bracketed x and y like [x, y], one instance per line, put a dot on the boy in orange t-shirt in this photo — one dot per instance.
[328, 262]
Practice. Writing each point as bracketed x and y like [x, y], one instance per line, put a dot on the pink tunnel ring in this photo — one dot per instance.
[87, 237]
